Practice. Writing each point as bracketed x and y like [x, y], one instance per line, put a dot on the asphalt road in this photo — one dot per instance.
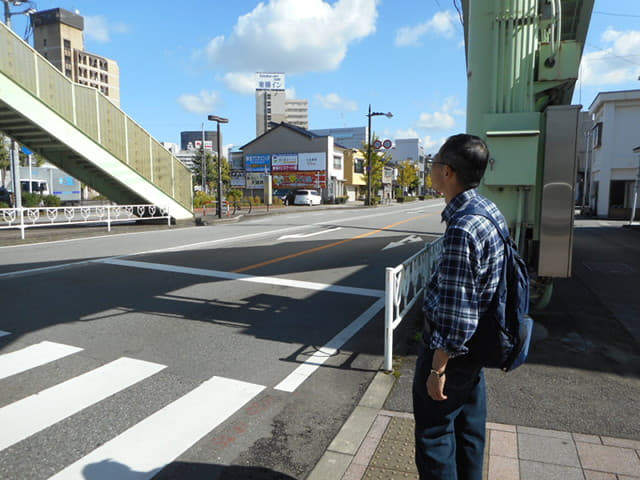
[230, 351]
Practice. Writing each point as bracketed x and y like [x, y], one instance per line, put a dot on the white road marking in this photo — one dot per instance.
[283, 282]
[33, 356]
[147, 447]
[25, 417]
[300, 374]
[3, 333]
[305, 235]
[404, 241]
[60, 266]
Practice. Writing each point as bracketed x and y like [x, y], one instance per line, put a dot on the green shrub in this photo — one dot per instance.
[342, 200]
[399, 199]
[51, 201]
[420, 197]
[31, 200]
[4, 205]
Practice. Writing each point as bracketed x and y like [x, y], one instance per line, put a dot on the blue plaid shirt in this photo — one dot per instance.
[467, 276]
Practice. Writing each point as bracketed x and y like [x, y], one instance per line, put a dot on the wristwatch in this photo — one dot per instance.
[436, 373]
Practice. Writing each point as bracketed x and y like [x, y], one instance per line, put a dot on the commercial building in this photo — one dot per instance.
[613, 165]
[355, 175]
[295, 158]
[273, 107]
[411, 149]
[352, 138]
[192, 140]
[58, 36]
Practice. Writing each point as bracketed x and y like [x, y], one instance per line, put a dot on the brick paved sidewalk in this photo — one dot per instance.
[512, 453]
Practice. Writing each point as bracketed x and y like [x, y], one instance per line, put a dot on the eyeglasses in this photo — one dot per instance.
[433, 162]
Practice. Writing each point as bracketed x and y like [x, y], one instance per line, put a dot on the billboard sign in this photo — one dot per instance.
[284, 162]
[257, 163]
[269, 81]
[255, 180]
[312, 161]
[309, 179]
[237, 178]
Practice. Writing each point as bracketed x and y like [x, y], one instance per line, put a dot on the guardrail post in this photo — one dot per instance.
[22, 223]
[389, 290]
[108, 218]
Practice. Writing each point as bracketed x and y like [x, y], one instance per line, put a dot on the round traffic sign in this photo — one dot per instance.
[377, 144]
[386, 144]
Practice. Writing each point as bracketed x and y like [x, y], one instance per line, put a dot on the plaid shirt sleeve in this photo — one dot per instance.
[453, 306]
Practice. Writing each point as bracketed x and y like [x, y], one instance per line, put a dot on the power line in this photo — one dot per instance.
[609, 54]
[629, 15]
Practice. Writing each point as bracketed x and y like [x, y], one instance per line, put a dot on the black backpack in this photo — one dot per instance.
[503, 334]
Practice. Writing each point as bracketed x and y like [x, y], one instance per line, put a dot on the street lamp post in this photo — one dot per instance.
[218, 121]
[369, 115]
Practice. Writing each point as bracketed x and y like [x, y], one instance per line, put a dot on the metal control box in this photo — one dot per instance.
[558, 191]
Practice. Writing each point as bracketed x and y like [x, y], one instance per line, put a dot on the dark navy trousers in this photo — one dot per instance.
[450, 434]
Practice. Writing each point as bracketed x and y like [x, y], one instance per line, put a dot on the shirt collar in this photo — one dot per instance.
[458, 202]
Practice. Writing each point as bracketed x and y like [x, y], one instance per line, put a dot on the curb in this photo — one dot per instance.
[344, 447]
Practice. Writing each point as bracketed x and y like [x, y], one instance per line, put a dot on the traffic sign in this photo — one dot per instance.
[387, 144]
[377, 144]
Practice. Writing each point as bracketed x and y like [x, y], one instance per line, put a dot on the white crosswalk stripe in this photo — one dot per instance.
[148, 446]
[23, 418]
[33, 356]
[142, 450]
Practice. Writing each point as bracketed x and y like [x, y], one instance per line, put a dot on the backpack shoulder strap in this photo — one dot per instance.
[473, 210]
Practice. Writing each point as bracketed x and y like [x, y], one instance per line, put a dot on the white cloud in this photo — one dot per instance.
[442, 24]
[290, 93]
[333, 101]
[436, 121]
[431, 145]
[609, 66]
[98, 28]
[410, 133]
[244, 83]
[204, 102]
[293, 36]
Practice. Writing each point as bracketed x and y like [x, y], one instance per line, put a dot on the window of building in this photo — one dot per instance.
[358, 165]
[44, 42]
[66, 43]
[337, 163]
[597, 135]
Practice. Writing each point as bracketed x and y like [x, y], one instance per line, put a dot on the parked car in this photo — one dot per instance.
[307, 197]
[285, 195]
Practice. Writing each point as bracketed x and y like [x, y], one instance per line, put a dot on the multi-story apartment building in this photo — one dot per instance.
[58, 36]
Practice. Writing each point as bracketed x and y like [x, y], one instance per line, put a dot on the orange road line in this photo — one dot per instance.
[324, 247]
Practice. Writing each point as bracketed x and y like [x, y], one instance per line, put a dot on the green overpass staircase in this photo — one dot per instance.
[81, 131]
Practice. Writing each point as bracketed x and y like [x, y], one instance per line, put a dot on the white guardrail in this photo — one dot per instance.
[25, 217]
[404, 285]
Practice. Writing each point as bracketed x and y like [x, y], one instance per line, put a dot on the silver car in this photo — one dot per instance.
[307, 197]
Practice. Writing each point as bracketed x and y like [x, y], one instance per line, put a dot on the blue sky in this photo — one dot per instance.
[180, 61]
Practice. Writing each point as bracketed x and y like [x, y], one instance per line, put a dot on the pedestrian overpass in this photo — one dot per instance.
[82, 132]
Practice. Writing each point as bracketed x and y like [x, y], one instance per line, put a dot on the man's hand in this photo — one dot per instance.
[435, 387]
[435, 383]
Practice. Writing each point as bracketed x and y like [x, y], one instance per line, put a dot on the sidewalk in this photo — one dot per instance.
[570, 413]
[378, 444]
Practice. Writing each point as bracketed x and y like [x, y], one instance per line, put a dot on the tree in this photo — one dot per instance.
[407, 175]
[211, 163]
[378, 161]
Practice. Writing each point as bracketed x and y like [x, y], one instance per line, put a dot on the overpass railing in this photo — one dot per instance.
[404, 285]
[96, 116]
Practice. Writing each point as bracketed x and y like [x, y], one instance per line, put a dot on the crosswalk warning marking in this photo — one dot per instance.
[142, 451]
[33, 356]
[25, 417]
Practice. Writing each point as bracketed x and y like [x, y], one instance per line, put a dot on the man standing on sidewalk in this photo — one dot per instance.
[449, 393]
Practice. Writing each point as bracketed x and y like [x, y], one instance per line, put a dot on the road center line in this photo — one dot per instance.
[329, 245]
[283, 282]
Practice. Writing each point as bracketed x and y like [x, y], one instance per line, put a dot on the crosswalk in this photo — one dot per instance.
[142, 450]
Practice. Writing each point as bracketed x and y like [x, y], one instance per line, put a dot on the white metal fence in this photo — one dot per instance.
[404, 285]
[23, 218]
